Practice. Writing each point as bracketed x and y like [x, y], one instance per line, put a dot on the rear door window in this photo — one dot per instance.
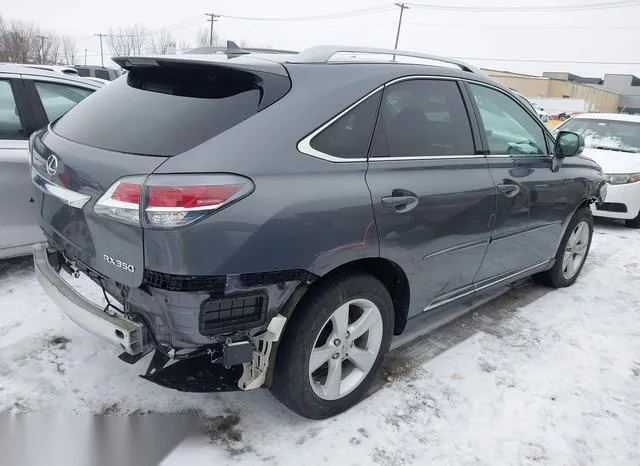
[10, 126]
[59, 98]
[167, 110]
[422, 117]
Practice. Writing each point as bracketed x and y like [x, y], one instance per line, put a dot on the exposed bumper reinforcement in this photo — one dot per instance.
[117, 330]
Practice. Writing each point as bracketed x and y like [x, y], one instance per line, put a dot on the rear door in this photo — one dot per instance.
[19, 218]
[432, 193]
[532, 200]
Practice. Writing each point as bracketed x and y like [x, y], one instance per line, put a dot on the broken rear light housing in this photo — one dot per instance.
[169, 201]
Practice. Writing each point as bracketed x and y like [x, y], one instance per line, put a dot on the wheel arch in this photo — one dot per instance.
[583, 204]
[388, 272]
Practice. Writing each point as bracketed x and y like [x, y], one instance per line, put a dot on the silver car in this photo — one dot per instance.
[29, 99]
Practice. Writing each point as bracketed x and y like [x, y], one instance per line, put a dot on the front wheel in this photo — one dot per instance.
[572, 253]
[334, 346]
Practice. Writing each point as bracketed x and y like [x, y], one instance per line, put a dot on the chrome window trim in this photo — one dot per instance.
[426, 157]
[304, 145]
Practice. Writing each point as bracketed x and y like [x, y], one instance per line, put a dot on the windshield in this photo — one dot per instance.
[622, 136]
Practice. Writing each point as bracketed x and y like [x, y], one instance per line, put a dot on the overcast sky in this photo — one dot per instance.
[611, 35]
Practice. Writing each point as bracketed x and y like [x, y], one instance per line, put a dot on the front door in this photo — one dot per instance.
[532, 200]
[432, 194]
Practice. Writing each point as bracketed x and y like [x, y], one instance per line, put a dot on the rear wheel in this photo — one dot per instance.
[572, 252]
[334, 346]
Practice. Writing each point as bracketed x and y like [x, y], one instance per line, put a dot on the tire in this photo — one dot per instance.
[559, 276]
[633, 223]
[311, 326]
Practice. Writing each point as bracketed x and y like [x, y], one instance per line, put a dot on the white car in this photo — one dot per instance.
[30, 99]
[613, 141]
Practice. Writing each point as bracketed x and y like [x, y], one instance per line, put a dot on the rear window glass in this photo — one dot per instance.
[84, 72]
[102, 74]
[163, 111]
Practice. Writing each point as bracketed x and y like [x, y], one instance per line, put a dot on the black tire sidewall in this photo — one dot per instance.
[291, 378]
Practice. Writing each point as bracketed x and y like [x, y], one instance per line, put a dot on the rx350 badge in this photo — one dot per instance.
[118, 263]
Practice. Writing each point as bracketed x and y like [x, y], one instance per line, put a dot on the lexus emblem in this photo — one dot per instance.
[52, 165]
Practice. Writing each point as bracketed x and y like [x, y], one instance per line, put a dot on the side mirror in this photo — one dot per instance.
[568, 144]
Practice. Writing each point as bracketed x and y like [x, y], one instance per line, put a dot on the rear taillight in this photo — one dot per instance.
[121, 202]
[171, 200]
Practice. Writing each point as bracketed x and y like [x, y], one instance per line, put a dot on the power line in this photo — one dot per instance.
[344, 14]
[565, 62]
[530, 9]
[522, 27]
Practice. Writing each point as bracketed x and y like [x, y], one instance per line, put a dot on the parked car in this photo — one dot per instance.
[613, 141]
[29, 100]
[284, 216]
[89, 71]
[544, 116]
[534, 108]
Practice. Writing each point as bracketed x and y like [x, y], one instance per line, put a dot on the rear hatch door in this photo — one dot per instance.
[75, 177]
[161, 108]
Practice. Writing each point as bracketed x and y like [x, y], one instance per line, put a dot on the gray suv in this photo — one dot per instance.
[272, 220]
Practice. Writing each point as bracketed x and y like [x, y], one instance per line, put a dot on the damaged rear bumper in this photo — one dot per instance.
[129, 335]
[211, 355]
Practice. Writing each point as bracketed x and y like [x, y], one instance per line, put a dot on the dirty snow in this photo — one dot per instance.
[534, 377]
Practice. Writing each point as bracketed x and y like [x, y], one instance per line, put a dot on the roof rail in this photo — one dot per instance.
[324, 53]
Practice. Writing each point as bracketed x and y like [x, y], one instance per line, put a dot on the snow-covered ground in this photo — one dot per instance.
[534, 377]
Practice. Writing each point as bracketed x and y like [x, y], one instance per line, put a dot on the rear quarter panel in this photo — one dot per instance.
[305, 213]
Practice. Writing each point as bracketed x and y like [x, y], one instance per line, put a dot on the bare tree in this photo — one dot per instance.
[184, 46]
[46, 47]
[128, 41]
[163, 44]
[17, 43]
[203, 35]
[69, 51]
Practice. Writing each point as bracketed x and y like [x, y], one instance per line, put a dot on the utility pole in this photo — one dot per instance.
[402, 8]
[101, 54]
[85, 57]
[211, 19]
[42, 38]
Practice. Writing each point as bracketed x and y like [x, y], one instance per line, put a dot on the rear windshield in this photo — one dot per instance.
[163, 111]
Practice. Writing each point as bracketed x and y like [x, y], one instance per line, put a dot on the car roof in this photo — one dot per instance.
[609, 116]
[277, 61]
[11, 68]
[51, 67]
